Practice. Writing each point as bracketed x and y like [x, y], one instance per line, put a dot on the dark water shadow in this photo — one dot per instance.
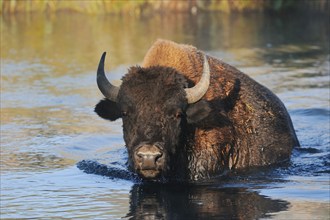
[232, 197]
[166, 201]
[115, 170]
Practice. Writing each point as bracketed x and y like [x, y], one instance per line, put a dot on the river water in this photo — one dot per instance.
[48, 92]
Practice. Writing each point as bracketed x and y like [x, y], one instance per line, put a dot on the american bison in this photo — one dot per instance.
[189, 116]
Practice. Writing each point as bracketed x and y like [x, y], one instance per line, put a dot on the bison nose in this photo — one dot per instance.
[149, 157]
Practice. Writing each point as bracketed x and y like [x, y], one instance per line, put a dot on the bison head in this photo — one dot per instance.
[156, 108]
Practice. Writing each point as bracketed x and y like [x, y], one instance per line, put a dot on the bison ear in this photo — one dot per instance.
[198, 111]
[108, 110]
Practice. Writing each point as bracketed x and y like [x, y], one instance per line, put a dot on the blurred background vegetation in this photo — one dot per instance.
[159, 6]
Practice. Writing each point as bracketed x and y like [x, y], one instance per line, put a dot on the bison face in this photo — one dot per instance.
[155, 110]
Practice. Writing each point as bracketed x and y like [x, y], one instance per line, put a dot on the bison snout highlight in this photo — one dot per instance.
[149, 161]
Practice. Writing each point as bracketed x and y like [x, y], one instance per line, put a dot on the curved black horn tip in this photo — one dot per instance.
[103, 56]
[100, 68]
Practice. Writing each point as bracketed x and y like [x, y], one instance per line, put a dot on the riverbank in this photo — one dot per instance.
[160, 6]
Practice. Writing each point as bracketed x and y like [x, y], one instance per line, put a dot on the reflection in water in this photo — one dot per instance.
[64, 40]
[31, 161]
[48, 92]
[151, 201]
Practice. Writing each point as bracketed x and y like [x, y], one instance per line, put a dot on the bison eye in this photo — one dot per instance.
[178, 115]
[124, 113]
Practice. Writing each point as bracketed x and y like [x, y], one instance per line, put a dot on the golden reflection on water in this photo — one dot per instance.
[35, 162]
[48, 87]
[64, 39]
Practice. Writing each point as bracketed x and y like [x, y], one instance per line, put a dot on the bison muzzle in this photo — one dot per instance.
[149, 160]
[189, 116]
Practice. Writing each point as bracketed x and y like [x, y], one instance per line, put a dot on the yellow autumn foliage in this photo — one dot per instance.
[139, 6]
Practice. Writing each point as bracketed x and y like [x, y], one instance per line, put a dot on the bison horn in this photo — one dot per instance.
[195, 93]
[108, 90]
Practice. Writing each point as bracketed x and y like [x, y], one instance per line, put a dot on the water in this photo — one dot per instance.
[48, 92]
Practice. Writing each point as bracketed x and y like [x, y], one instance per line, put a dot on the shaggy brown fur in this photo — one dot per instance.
[238, 123]
[259, 130]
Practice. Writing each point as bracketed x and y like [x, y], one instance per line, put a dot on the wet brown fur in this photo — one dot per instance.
[258, 130]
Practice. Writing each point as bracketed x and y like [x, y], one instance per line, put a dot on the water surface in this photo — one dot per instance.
[48, 92]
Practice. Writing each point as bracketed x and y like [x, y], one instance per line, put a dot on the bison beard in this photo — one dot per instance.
[173, 131]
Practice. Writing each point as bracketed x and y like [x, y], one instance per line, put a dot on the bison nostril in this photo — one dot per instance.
[158, 156]
[149, 156]
[149, 153]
